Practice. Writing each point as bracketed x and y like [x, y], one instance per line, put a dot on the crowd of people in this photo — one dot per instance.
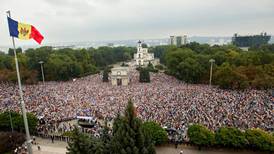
[166, 100]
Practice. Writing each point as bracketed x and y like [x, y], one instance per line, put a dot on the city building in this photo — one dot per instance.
[247, 41]
[178, 40]
[143, 57]
[119, 76]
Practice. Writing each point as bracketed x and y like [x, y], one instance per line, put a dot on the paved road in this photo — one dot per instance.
[59, 147]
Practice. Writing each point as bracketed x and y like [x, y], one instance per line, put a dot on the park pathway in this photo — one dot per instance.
[59, 147]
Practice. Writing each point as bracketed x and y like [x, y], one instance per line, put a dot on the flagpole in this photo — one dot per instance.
[23, 108]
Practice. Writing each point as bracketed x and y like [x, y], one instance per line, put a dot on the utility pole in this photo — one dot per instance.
[23, 108]
[42, 70]
[211, 65]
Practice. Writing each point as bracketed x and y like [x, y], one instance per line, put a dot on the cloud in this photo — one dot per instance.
[89, 20]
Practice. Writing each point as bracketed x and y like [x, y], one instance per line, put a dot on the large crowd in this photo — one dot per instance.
[165, 100]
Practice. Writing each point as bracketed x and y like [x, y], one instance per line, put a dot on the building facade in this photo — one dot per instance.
[178, 40]
[143, 57]
[244, 42]
[119, 76]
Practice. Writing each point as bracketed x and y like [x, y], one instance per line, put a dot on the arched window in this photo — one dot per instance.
[139, 55]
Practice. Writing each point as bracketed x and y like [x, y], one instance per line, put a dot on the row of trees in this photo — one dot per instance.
[229, 137]
[233, 68]
[16, 120]
[129, 135]
[61, 64]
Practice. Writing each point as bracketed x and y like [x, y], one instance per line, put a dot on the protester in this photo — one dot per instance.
[165, 100]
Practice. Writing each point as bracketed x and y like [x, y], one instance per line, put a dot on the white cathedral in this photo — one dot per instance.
[142, 57]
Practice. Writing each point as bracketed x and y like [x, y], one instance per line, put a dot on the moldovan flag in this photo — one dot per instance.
[24, 31]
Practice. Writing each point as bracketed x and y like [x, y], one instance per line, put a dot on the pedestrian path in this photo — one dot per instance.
[47, 147]
[59, 147]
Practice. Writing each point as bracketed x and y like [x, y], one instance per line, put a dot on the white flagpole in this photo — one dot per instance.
[23, 108]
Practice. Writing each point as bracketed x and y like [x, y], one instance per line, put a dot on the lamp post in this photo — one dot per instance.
[42, 70]
[211, 65]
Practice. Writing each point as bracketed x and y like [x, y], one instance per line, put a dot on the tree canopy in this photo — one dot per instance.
[60, 64]
[144, 75]
[233, 68]
[17, 121]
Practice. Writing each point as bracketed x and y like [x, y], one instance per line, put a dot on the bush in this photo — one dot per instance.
[230, 137]
[157, 133]
[200, 135]
[259, 139]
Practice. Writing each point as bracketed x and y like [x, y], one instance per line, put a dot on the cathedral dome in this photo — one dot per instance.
[144, 45]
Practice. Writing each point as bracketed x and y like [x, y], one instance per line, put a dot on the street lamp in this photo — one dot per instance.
[211, 65]
[42, 70]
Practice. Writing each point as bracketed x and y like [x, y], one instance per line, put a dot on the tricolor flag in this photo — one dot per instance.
[24, 31]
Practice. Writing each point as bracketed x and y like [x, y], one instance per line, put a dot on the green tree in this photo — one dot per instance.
[227, 77]
[128, 136]
[175, 56]
[18, 123]
[105, 138]
[200, 136]
[59, 67]
[230, 137]
[6, 62]
[84, 144]
[189, 70]
[144, 75]
[156, 132]
[105, 75]
[151, 68]
[160, 52]
[11, 52]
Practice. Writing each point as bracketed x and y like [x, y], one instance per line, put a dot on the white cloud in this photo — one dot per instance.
[88, 20]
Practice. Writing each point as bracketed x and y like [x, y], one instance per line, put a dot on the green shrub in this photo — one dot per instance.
[230, 137]
[200, 135]
[157, 133]
[260, 140]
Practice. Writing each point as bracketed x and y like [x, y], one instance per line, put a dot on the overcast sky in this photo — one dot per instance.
[95, 20]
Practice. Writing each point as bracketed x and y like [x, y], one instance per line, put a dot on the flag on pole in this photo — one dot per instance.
[24, 31]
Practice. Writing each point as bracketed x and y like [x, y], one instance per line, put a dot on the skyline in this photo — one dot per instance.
[94, 20]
